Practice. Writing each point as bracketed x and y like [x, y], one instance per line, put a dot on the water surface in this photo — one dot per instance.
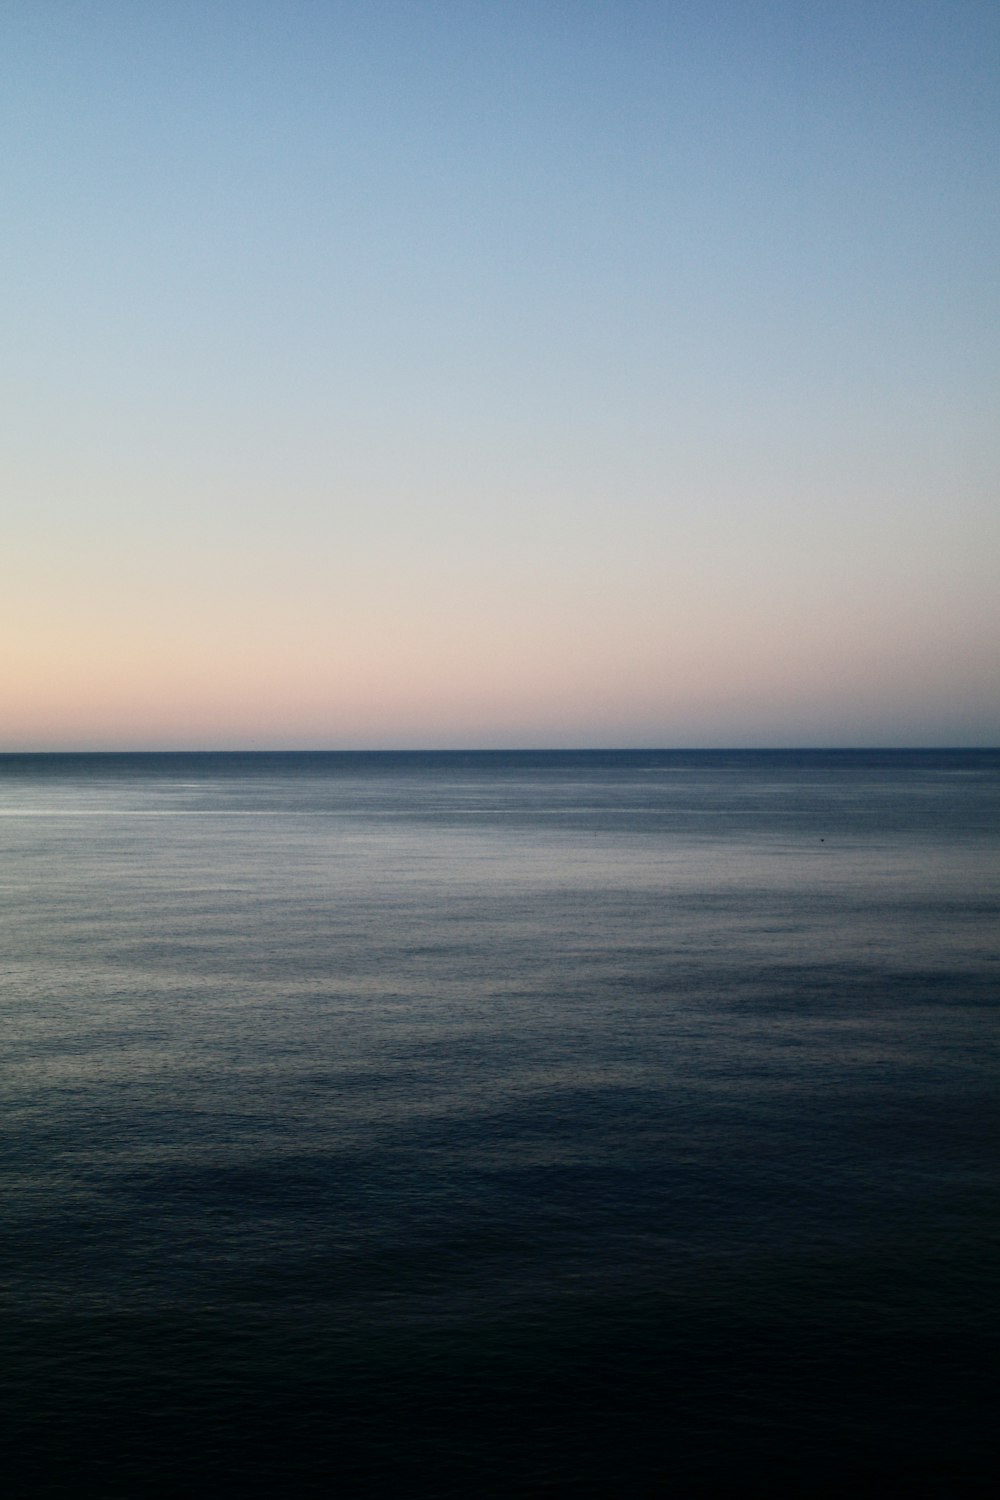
[497, 1124]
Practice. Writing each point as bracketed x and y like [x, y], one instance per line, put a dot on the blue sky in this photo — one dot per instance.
[480, 373]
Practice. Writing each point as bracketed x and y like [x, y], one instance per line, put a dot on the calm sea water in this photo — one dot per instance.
[499, 1124]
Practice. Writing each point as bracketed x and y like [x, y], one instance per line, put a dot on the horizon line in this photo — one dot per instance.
[507, 750]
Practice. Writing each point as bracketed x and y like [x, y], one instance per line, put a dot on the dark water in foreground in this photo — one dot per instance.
[592, 1124]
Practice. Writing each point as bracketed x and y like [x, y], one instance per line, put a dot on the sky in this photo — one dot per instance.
[470, 373]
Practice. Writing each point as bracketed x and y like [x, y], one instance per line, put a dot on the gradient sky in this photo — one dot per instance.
[484, 372]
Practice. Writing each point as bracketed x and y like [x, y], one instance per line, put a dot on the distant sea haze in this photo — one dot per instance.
[500, 1124]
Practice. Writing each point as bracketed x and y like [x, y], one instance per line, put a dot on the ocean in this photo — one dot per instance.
[499, 1124]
